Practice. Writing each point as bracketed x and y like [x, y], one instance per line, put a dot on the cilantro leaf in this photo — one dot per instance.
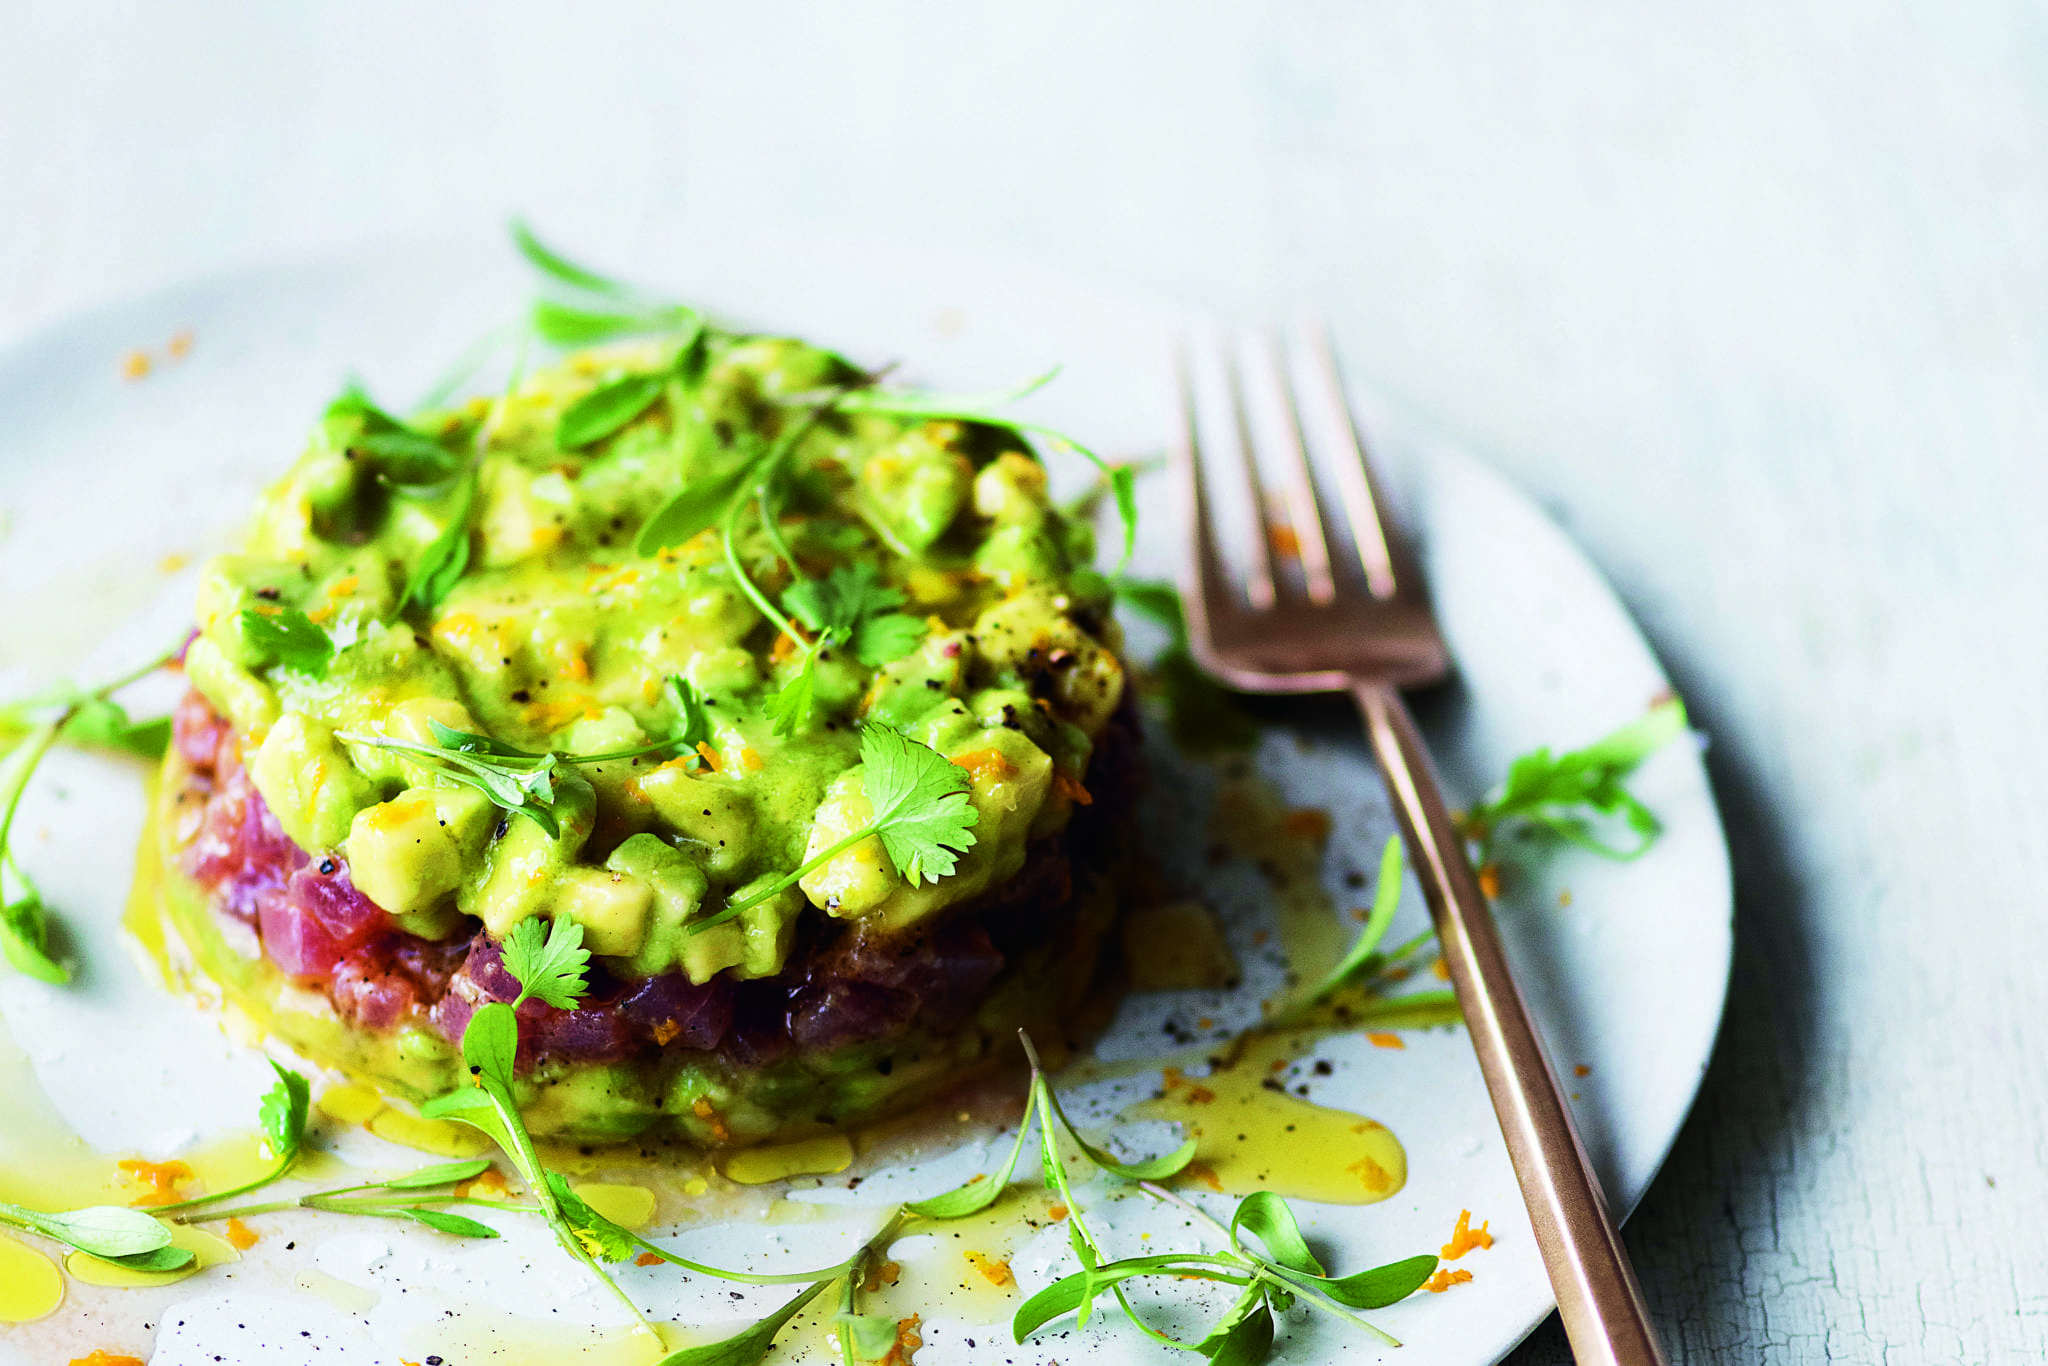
[789, 707]
[693, 722]
[835, 604]
[1555, 794]
[549, 970]
[920, 803]
[887, 638]
[288, 638]
[601, 1237]
[920, 810]
[284, 1111]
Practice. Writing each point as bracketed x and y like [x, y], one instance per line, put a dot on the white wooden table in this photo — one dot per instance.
[1754, 297]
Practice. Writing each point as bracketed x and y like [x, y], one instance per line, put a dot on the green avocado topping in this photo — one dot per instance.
[649, 599]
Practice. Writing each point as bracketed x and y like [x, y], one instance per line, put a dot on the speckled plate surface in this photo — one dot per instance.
[109, 485]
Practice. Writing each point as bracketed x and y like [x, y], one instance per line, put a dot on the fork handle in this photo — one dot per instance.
[1597, 1294]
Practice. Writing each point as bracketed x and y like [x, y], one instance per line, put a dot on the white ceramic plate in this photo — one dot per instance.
[103, 480]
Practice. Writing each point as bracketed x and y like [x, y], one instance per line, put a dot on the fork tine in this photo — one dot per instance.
[1258, 586]
[1354, 483]
[1304, 517]
[1212, 580]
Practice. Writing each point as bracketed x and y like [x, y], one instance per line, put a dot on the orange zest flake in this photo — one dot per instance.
[703, 1109]
[1204, 1173]
[1056, 1212]
[751, 760]
[996, 1273]
[162, 1178]
[321, 615]
[881, 1274]
[985, 765]
[1582, 1071]
[342, 587]
[647, 1259]
[1283, 539]
[786, 647]
[575, 668]
[1464, 1237]
[180, 345]
[665, 1031]
[1371, 1174]
[908, 1340]
[1440, 970]
[1381, 1039]
[1171, 1077]
[1444, 1280]
[1489, 881]
[1068, 786]
[102, 1357]
[135, 365]
[1310, 823]
[489, 1184]
[240, 1236]
[708, 755]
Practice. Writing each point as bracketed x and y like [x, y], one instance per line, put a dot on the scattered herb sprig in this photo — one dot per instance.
[1556, 796]
[522, 782]
[283, 1113]
[82, 717]
[130, 1238]
[416, 1196]
[921, 813]
[287, 638]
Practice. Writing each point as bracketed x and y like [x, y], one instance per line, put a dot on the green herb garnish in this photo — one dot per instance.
[596, 307]
[287, 638]
[921, 813]
[84, 717]
[1555, 796]
[283, 1113]
[852, 606]
[130, 1238]
[609, 407]
[442, 564]
[407, 1203]
[518, 781]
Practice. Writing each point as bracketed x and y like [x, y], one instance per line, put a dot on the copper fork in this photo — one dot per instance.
[1320, 625]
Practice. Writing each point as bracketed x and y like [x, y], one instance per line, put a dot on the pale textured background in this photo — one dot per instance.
[1750, 295]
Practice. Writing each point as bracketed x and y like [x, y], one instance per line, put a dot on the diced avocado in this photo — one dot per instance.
[611, 906]
[904, 691]
[1020, 554]
[712, 814]
[520, 865]
[1011, 490]
[408, 720]
[410, 854]
[919, 484]
[857, 879]
[765, 931]
[309, 782]
[678, 885]
[235, 693]
[524, 513]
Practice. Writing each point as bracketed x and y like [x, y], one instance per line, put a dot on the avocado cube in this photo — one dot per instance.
[412, 852]
[309, 782]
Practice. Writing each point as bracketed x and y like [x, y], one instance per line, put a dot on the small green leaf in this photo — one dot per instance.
[1063, 1296]
[693, 722]
[695, 508]
[790, 706]
[107, 1231]
[873, 1335]
[25, 939]
[1152, 1169]
[1248, 1342]
[1556, 794]
[606, 409]
[288, 638]
[156, 1259]
[1267, 1216]
[284, 1110]
[490, 1045]
[445, 1222]
[1363, 958]
[747, 1346]
[104, 723]
[978, 1194]
[549, 970]
[462, 1101]
[441, 1174]
[442, 564]
[409, 459]
[1381, 1286]
[558, 267]
[601, 1236]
